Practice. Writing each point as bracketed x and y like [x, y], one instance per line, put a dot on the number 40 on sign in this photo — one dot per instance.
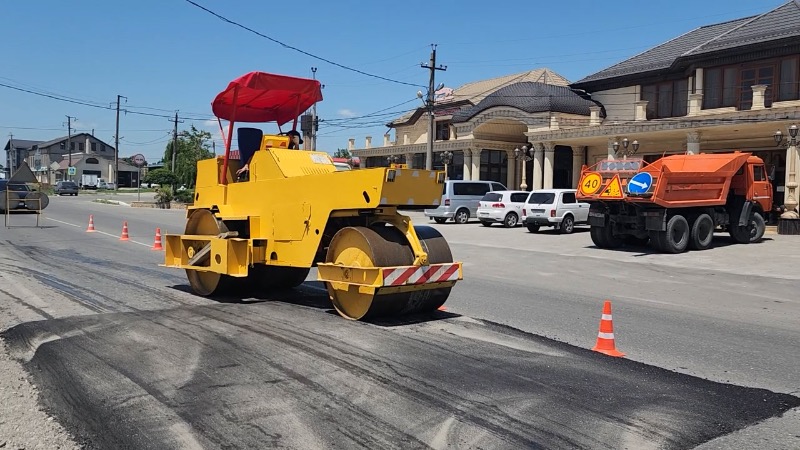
[591, 183]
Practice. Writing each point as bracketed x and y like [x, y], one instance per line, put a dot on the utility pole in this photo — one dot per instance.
[175, 141]
[11, 150]
[69, 142]
[116, 146]
[431, 93]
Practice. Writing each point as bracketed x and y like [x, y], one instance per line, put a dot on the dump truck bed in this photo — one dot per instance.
[677, 181]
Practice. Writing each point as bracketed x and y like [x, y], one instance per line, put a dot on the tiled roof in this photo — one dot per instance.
[476, 91]
[531, 98]
[779, 23]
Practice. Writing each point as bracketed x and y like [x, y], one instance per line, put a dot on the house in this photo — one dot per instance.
[720, 87]
[51, 160]
[16, 152]
[483, 122]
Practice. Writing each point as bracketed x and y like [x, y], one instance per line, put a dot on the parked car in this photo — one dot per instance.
[502, 207]
[66, 188]
[460, 200]
[555, 208]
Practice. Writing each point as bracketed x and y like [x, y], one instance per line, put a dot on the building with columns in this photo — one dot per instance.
[721, 87]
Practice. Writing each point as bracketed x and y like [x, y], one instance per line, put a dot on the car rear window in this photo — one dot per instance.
[68, 184]
[542, 198]
[18, 187]
[492, 197]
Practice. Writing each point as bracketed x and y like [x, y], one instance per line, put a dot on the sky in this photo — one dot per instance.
[166, 56]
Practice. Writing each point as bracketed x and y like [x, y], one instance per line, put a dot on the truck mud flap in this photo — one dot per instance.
[655, 220]
[744, 216]
[597, 219]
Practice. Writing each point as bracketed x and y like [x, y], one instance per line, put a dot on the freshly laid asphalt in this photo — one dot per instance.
[125, 357]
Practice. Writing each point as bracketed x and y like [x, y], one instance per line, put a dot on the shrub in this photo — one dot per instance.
[185, 196]
[164, 195]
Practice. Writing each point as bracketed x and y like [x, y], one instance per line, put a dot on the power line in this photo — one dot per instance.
[225, 19]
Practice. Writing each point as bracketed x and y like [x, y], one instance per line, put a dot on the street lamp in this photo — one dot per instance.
[392, 159]
[790, 202]
[625, 151]
[523, 154]
[447, 158]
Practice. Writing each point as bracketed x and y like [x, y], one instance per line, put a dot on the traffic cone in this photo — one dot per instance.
[157, 243]
[91, 224]
[605, 338]
[124, 236]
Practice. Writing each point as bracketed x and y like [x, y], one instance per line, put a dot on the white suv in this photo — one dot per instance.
[502, 206]
[555, 208]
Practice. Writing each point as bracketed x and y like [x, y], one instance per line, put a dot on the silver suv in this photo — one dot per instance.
[555, 208]
[460, 200]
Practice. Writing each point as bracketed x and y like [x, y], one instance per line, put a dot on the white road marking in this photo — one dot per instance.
[96, 231]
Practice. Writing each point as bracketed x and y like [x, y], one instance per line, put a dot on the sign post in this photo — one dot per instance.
[138, 160]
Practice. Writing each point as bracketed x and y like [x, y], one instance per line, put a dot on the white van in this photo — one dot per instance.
[460, 200]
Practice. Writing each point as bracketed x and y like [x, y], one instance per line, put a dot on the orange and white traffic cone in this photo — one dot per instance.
[157, 243]
[605, 338]
[124, 236]
[91, 224]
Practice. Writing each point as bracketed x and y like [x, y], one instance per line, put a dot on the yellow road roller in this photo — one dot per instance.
[264, 215]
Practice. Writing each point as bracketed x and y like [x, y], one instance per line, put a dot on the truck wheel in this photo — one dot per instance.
[511, 220]
[634, 241]
[485, 223]
[461, 216]
[439, 219]
[567, 224]
[598, 237]
[611, 240]
[757, 227]
[702, 232]
[532, 227]
[676, 238]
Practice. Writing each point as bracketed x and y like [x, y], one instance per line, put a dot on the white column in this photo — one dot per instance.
[640, 112]
[698, 81]
[476, 163]
[368, 142]
[467, 164]
[693, 142]
[351, 144]
[538, 162]
[791, 196]
[386, 141]
[578, 152]
[695, 104]
[758, 96]
[511, 167]
[410, 160]
[594, 115]
[611, 153]
[549, 154]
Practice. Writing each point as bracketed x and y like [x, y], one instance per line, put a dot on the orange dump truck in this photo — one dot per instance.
[677, 201]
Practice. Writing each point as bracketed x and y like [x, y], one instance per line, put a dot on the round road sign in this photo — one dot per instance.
[591, 183]
[138, 159]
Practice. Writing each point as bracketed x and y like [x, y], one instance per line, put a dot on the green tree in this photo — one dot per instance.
[193, 145]
[161, 177]
[342, 153]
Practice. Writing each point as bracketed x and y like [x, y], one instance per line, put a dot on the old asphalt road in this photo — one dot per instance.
[125, 357]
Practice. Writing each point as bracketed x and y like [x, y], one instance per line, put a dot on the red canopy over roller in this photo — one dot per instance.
[265, 97]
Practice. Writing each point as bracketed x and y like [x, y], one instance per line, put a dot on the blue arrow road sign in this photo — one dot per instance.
[640, 183]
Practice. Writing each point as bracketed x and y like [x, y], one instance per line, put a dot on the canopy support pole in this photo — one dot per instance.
[224, 175]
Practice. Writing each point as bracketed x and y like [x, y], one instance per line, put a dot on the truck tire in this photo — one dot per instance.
[702, 232]
[532, 227]
[676, 238]
[752, 232]
[597, 237]
[758, 227]
[440, 220]
[608, 238]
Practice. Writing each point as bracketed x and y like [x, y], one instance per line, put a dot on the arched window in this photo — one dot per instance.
[92, 161]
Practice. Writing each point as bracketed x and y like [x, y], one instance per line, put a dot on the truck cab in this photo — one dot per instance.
[752, 182]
